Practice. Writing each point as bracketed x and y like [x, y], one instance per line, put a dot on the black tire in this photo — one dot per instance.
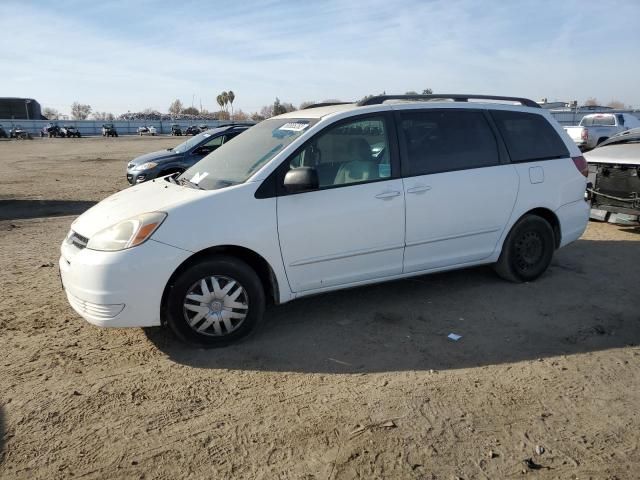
[527, 250]
[221, 266]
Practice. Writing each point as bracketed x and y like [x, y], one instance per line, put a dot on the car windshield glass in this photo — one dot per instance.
[236, 161]
[193, 141]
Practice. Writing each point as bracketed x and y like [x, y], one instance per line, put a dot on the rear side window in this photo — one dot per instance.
[529, 136]
[437, 141]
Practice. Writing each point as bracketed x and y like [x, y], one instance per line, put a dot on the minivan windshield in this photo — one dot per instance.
[236, 161]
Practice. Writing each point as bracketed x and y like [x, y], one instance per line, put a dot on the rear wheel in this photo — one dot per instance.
[527, 251]
[215, 302]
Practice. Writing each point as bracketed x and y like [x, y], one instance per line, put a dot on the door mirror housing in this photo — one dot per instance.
[301, 179]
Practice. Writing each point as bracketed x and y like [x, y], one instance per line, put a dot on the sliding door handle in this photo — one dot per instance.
[419, 189]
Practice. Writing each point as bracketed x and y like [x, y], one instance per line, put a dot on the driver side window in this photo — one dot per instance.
[348, 153]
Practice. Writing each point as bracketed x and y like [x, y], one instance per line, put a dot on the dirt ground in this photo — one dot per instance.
[356, 384]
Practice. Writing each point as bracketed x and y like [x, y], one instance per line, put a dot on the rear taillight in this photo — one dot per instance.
[581, 165]
[585, 134]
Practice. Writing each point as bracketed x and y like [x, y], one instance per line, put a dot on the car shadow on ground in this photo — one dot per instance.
[587, 301]
[25, 209]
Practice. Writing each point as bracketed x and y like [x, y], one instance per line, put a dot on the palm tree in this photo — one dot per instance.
[225, 99]
[232, 97]
[220, 102]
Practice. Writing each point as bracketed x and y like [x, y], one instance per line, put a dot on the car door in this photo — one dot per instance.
[459, 191]
[351, 228]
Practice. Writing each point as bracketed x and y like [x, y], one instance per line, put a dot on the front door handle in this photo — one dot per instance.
[419, 189]
[388, 194]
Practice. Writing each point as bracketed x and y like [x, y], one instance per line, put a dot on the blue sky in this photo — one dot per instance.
[130, 55]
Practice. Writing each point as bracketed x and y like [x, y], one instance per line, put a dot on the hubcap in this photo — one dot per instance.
[529, 250]
[216, 306]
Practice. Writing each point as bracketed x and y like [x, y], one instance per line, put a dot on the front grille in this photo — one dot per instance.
[78, 240]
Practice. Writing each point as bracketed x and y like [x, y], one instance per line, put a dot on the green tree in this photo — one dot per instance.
[191, 111]
[231, 96]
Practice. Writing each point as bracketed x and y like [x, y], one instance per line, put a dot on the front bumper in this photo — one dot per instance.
[134, 176]
[119, 289]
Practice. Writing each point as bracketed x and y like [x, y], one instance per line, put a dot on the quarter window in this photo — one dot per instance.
[352, 152]
[445, 140]
[529, 136]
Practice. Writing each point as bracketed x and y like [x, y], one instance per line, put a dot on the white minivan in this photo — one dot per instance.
[326, 198]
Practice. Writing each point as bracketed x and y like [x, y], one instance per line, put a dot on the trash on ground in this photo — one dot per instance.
[454, 336]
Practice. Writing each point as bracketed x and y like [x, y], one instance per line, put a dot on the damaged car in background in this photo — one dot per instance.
[614, 172]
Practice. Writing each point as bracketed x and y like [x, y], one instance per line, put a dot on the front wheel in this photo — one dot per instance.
[527, 251]
[215, 302]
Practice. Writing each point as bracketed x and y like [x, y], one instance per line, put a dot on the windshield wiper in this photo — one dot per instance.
[189, 183]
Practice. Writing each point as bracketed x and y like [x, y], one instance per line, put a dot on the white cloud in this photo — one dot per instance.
[129, 56]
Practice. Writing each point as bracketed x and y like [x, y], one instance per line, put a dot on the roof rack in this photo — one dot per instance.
[456, 97]
[325, 104]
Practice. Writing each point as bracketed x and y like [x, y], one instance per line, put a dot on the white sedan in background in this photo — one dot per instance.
[147, 130]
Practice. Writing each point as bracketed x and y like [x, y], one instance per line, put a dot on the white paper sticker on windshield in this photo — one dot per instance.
[294, 126]
[198, 177]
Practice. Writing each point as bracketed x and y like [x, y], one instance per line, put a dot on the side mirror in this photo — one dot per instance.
[302, 179]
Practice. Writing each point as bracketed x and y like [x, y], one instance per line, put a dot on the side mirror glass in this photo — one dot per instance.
[302, 179]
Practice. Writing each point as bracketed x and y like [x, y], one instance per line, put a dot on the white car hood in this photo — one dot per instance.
[621, 154]
[154, 196]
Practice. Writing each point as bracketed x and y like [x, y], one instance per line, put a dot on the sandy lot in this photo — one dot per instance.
[355, 384]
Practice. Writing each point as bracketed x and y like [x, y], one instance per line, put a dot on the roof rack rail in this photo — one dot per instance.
[456, 97]
[325, 104]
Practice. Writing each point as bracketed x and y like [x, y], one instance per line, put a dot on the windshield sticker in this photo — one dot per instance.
[198, 177]
[294, 126]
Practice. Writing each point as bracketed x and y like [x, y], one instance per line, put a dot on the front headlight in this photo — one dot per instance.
[127, 233]
[146, 166]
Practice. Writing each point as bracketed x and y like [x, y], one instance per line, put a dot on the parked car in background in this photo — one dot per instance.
[203, 127]
[51, 130]
[176, 130]
[595, 128]
[70, 131]
[19, 133]
[3, 132]
[147, 130]
[192, 130]
[614, 172]
[109, 130]
[179, 158]
[302, 204]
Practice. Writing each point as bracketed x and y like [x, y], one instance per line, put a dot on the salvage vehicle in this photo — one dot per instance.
[147, 130]
[18, 132]
[176, 130]
[109, 130]
[178, 159]
[51, 130]
[301, 204]
[70, 131]
[614, 172]
[3, 132]
[203, 127]
[596, 128]
[192, 130]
